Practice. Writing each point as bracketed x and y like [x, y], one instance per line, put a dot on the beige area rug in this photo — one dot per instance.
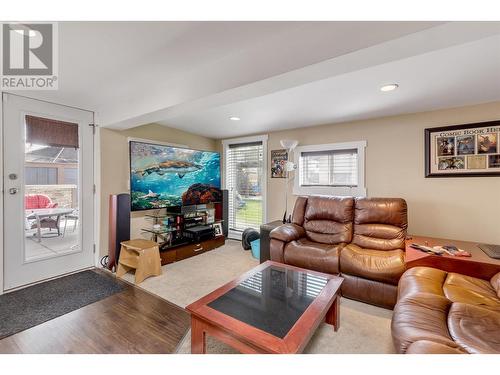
[363, 328]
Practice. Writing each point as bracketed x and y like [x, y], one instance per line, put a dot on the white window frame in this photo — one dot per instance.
[234, 141]
[355, 191]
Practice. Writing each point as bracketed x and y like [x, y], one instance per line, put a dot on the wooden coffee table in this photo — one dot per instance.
[273, 308]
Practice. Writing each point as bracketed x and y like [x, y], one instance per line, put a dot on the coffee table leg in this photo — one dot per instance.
[198, 342]
[333, 315]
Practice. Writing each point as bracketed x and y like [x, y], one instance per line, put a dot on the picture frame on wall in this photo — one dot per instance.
[468, 150]
[279, 159]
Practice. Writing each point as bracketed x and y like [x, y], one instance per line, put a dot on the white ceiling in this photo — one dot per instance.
[451, 77]
[274, 75]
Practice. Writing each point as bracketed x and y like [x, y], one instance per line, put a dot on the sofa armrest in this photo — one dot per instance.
[287, 233]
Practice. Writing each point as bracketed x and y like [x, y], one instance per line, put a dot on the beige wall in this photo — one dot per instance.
[115, 166]
[459, 208]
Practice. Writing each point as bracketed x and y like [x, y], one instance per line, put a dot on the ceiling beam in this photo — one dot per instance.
[447, 35]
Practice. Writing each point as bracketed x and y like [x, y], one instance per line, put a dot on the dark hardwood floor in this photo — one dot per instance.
[132, 321]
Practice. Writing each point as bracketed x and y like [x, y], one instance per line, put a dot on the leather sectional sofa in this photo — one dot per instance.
[440, 312]
[363, 239]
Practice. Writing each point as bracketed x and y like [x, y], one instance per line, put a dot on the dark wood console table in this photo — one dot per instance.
[478, 265]
[175, 247]
[180, 252]
[265, 240]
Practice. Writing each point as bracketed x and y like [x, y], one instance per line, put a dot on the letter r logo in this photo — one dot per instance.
[27, 49]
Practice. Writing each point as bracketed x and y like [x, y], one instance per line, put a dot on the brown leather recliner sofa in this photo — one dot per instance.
[440, 312]
[363, 239]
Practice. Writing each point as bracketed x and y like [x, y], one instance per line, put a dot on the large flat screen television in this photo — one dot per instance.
[165, 176]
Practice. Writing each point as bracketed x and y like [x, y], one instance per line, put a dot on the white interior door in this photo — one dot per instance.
[48, 190]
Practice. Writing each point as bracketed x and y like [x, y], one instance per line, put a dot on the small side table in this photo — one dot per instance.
[478, 265]
[265, 240]
[141, 255]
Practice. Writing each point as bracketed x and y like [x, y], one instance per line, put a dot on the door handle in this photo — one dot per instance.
[13, 191]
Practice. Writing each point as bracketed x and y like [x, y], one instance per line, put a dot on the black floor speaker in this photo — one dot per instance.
[119, 226]
[225, 212]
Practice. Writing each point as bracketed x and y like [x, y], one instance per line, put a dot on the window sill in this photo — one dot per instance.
[330, 190]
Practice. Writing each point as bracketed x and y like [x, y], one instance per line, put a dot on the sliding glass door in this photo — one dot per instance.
[245, 181]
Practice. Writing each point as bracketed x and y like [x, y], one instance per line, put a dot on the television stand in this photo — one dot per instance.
[183, 232]
[177, 252]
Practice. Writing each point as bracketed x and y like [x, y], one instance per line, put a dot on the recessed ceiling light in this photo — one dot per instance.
[391, 87]
[234, 118]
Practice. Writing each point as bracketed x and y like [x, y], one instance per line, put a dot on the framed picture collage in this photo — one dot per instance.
[469, 150]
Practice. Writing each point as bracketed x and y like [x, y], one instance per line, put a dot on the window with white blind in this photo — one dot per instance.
[329, 168]
[332, 169]
[244, 179]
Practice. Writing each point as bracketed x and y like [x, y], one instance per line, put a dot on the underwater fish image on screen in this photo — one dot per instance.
[165, 176]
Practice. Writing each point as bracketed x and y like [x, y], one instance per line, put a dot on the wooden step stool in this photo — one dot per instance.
[141, 255]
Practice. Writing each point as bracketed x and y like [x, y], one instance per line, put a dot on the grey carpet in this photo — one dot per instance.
[363, 328]
[39, 303]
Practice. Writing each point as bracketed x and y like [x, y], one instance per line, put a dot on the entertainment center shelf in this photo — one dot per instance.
[186, 231]
[184, 251]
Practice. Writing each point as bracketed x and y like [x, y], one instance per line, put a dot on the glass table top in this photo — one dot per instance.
[161, 230]
[271, 300]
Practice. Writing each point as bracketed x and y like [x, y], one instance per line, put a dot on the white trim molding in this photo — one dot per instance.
[97, 192]
[356, 191]
[225, 146]
[3, 99]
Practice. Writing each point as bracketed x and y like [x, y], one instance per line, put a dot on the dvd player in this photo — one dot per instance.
[199, 232]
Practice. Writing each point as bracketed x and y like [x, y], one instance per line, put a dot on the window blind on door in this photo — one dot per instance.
[48, 132]
[329, 168]
[244, 170]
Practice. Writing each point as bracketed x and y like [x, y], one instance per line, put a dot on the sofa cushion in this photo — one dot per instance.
[475, 328]
[313, 255]
[339, 209]
[328, 232]
[495, 283]
[380, 223]
[329, 219]
[421, 280]
[420, 316]
[470, 290]
[384, 266]
[431, 347]
[472, 320]
[391, 211]
[379, 236]
[369, 291]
